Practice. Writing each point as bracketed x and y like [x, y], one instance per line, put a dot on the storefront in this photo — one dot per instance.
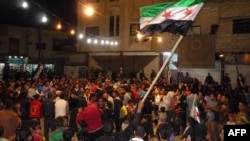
[15, 67]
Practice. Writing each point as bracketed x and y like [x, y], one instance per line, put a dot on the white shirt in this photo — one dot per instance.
[31, 92]
[61, 107]
[136, 139]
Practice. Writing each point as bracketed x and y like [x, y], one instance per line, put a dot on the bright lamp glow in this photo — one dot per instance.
[159, 39]
[80, 36]
[59, 26]
[25, 4]
[95, 41]
[111, 43]
[102, 42]
[107, 42]
[44, 19]
[89, 11]
[89, 40]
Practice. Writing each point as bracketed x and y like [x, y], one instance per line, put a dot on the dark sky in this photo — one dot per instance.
[12, 14]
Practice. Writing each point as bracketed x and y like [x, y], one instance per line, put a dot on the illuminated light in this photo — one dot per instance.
[221, 55]
[25, 4]
[59, 26]
[15, 56]
[80, 36]
[89, 40]
[159, 39]
[72, 32]
[139, 36]
[10, 57]
[89, 11]
[21, 56]
[102, 42]
[95, 41]
[107, 42]
[111, 43]
[166, 53]
[44, 19]
[116, 43]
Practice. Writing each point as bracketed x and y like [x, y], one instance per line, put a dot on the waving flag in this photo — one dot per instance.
[175, 17]
[195, 113]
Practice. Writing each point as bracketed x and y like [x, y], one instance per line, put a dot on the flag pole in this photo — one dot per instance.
[162, 67]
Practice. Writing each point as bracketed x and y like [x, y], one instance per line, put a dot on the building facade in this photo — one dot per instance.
[222, 25]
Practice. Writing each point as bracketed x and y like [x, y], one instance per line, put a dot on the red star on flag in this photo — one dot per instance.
[188, 11]
[197, 114]
[166, 14]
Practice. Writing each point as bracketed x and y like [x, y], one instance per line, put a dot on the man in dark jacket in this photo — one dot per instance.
[48, 107]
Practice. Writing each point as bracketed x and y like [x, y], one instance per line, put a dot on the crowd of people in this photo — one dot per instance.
[60, 108]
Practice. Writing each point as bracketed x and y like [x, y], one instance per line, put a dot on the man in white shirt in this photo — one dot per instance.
[32, 90]
[61, 106]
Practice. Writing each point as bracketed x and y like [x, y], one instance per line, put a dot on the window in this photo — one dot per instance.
[92, 31]
[241, 26]
[114, 26]
[117, 25]
[111, 25]
[133, 29]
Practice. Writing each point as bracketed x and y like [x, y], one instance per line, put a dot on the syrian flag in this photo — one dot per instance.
[195, 113]
[175, 17]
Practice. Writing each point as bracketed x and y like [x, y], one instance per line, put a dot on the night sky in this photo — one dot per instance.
[11, 12]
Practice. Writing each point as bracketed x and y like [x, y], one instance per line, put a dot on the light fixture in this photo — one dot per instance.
[95, 41]
[221, 56]
[159, 39]
[107, 42]
[80, 36]
[116, 43]
[72, 32]
[89, 11]
[89, 40]
[102, 42]
[59, 26]
[44, 19]
[25, 4]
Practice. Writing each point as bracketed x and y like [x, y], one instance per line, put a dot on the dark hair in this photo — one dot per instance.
[92, 95]
[82, 103]
[140, 131]
[8, 103]
[59, 121]
[34, 124]
[108, 126]
[36, 96]
[68, 133]
[164, 130]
